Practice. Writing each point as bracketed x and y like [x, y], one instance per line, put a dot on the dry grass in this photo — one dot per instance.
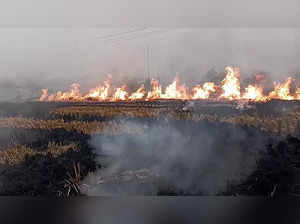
[35, 172]
[108, 111]
[16, 154]
[72, 183]
[287, 124]
[284, 124]
[93, 127]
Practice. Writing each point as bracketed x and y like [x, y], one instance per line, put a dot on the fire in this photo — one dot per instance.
[228, 89]
[298, 93]
[174, 91]
[231, 84]
[203, 92]
[100, 93]
[139, 94]
[44, 95]
[282, 90]
[254, 93]
[51, 97]
[120, 94]
[155, 92]
[72, 94]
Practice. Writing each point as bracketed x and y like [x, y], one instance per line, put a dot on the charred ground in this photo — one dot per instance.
[46, 147]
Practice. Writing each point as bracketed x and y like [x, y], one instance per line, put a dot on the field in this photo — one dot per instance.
[51, 148]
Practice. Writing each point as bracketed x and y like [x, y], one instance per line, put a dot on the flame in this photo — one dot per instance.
[174, 91]
[120, 94]
[155, 92]
[51, 97]
[44, 95]
[100, 93]
[298, 93]
[229, 89]
[139, 94]
[282, 90]
[72, 94]
[254, 93]
[203, 92]
[231, 84]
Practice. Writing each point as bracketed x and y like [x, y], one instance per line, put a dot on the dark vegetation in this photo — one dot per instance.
[46, 174]
[53, 161]
[277, 172]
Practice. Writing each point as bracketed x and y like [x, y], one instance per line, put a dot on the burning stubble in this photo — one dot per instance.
[71, 55]
[228, 89]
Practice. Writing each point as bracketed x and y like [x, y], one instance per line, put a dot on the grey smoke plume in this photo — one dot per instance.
[54, 58]
[186, 158]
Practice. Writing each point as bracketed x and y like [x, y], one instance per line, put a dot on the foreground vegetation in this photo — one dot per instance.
[55, 171]
[85, 127]
[94, 120]
[55, 162]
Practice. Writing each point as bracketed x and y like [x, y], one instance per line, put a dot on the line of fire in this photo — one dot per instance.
[228, 89]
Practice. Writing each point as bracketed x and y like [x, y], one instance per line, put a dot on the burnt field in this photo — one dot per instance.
[150, 148]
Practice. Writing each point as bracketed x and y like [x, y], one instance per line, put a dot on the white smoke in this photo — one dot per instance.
[184, 158]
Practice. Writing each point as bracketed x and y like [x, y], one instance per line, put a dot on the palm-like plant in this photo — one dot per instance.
[72, 182]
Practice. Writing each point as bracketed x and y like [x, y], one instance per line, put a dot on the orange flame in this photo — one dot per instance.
[44, 95]
[282, 90]
[173, 91]
[229, 89]
[51, 97]
[100, 93]
[120, 94]
[254, 93]
[200, 92]
[231, 84]
[298, 93]
[139, 94]
[155, 92]
[72, 94]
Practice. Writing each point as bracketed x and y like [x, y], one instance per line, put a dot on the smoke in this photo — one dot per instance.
[57, 57]
[177, 157]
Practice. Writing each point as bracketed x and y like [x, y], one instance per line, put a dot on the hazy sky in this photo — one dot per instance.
[74, 52]
[64, 41]
[145, 12]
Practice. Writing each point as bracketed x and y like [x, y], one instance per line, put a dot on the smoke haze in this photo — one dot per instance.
[54, 58]
[189, 158]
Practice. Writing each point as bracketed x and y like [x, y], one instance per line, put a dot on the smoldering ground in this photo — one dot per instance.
[174, 157]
